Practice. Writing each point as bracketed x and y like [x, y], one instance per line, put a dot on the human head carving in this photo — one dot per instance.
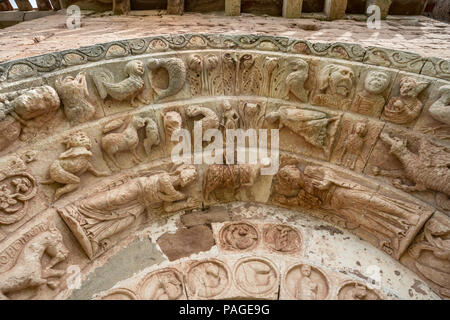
[337, 79]
[376, 81]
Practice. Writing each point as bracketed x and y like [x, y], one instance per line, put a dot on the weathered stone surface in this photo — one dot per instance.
[185, 242]
[212, 215]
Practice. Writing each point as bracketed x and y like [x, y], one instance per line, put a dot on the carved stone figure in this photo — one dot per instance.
[350, 151]
[176, 73]
[388, 220]
[429, 169]
[357, 291]
[205, 77]
[230, 116]
[74, 94]
[23, 112]
[165, 284]
[406, 107]
[95, 219]
[127, 89]
[127, 139]
[72, 163]
[295, 81]
[305, 282]
[239, 236]
[209, 119]
[282, 238]
[207, 279]
[370, 101]
[28, 270]
[152, 137]
[311, 125]
[251, 115]
[233, 176]
[334, 87]
[431, 253]
[256, 276]
[172, 122]
[440, 111]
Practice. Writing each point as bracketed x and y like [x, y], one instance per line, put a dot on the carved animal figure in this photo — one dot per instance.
[126, 140]
[152, 137]
[172, 122]
[309, 124]
[74, 94]
[230, 176]
[440, 111]
[28, 271]
[127, 89]
[72, 163]
[177, 75]
[429, 169]
[295, 81]
[210, 119]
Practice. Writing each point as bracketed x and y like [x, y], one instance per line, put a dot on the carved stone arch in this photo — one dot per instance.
[86, 149]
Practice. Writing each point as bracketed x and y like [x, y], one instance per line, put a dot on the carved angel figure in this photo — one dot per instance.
[311, 125]
[96, 218]
[72, 163]
[406, 107]
[129, 88]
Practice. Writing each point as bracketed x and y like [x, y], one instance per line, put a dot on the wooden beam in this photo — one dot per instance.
[292, 8]
[335, 9]
[55, 4]
[121, 7]
[5, 5]
[24, 5]
[383, 4]
[233, 7]
[175, 7]
[44, 5]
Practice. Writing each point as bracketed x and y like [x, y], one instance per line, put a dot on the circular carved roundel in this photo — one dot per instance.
[238, 236]
[305, 282]
[207, 279]
[256, 276]
[282, 238]
[164, 284]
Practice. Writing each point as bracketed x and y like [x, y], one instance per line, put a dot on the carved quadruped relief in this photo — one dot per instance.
[238, 236]
[208, 117]
[22, 267]
[406, 107]
[382, 219]
[204, 73]
[128, 89]
[429, 255]
[164, 284]
[207, 279]
[357, 291]
[315, 128]
[370, 100]
[96, 218]
[74, 95]
[126, 138]
[356, 140]
[120, 294]
[282, 238]
[297, 74]
[72, 163]
[424, 169]
[223, 179]
[17, 188]
[436, 119]
[306, 282]
[167, 76]
[24, 112]
[334, 87]
[256, 277]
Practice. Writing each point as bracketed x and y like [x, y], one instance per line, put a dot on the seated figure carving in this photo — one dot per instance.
[95, 219]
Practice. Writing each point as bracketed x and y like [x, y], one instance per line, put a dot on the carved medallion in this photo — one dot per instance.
[256, 276]
[357, 291]
[305, 282]
[15, 191]
[238, 236]
[120, 294]
[207, 279]
[282, 238]
[164, 284]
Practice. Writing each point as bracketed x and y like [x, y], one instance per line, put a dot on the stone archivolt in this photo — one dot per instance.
[342, 116]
